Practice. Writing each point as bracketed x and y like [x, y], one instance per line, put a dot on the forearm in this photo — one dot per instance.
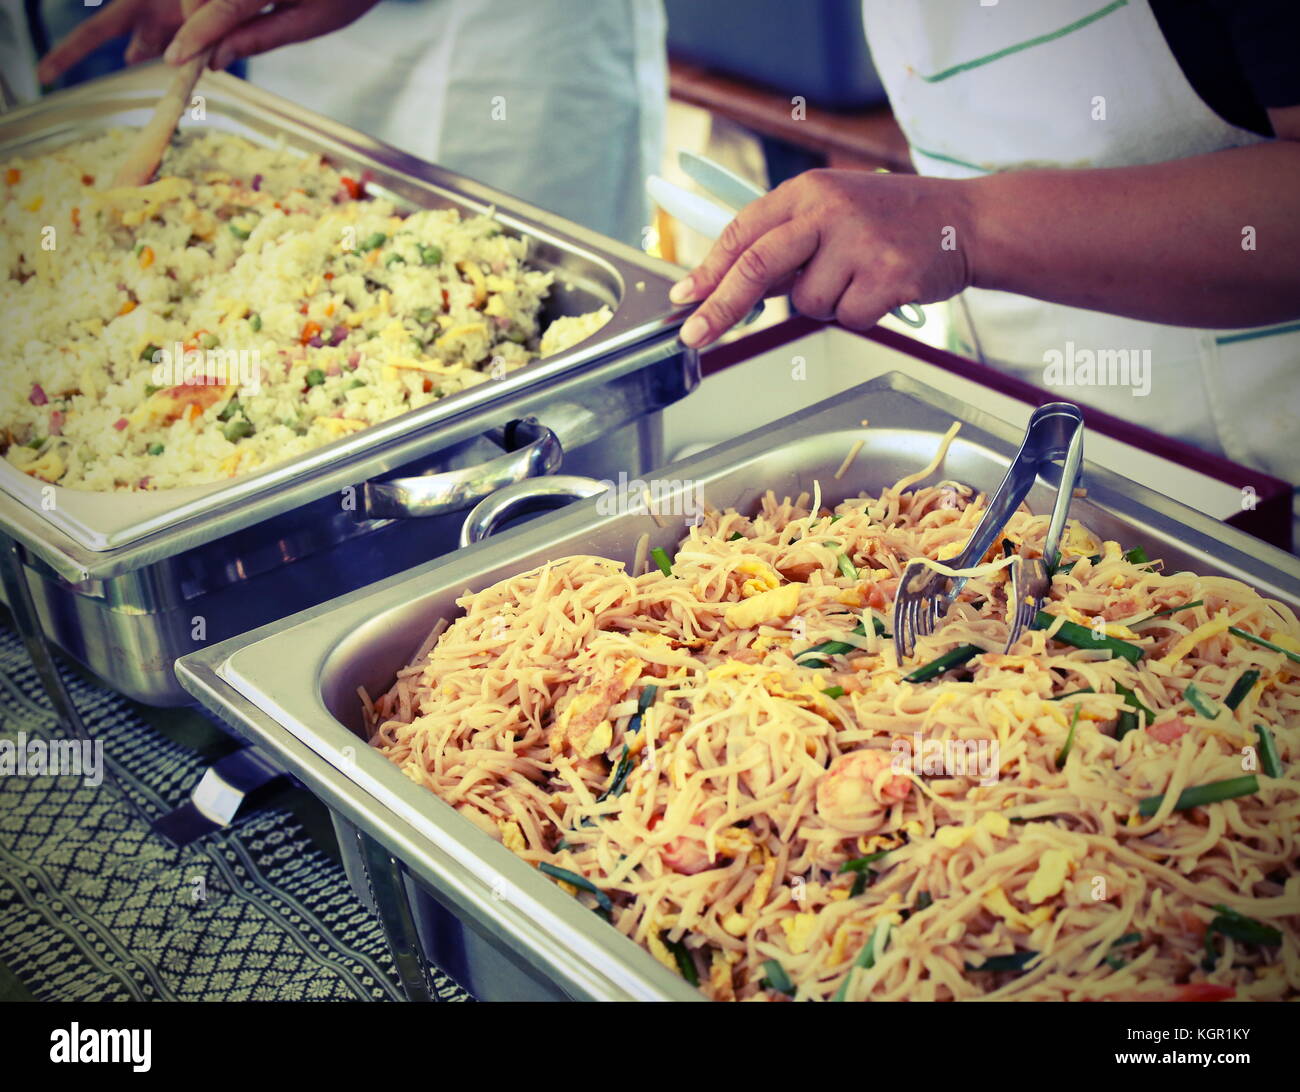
[1167, 242]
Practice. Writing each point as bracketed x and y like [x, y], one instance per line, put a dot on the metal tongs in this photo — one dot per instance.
[1055, 432]
[709, 218]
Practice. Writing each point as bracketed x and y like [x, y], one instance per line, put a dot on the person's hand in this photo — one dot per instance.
[150, 23]
[846, 244]
[240, 25]
[243, 29]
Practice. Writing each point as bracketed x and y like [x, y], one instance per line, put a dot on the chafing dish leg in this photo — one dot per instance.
[388, 890]
[225, 787]
[13, 574]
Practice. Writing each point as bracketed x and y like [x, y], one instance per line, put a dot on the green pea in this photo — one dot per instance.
[156, 449]
[208, 341]
[148, 353]
[237, 430]
[424, 316]
[430, 254]
[255, 321]
[315, 377]
[376, 240]
[238, 232]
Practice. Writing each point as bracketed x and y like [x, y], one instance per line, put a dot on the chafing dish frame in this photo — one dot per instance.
[308, 716]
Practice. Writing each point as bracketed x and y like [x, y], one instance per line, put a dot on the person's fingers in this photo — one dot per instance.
[753, 221]
[862, 305]
[112, 22]
[820, 285]
[211, 22]
[280, 26]
[149, 40]
[770, 260]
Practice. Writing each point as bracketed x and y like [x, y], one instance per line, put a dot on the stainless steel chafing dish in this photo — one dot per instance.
[446, 891]
[128, 582]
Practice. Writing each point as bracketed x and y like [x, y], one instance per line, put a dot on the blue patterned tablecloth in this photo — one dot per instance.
[95, 907]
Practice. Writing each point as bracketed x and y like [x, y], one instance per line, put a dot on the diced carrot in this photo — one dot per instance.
[146, 257]
[427, 386]
[309, 331]
[329, 309]
[329, 276]
[87, 179]
[126, 308]
[353, 187]
[192, 411]
[76, 217]
[12, 175]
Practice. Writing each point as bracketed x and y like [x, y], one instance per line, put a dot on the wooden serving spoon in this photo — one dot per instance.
[140, 164]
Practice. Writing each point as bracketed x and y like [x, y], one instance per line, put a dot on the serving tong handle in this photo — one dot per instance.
[1055, 432]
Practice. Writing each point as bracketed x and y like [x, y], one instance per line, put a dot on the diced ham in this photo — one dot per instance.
[1167, 731]
[56, 422]
[120, 424]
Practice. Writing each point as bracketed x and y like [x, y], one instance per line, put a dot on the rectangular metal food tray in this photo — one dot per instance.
[291, 686]
[590, 271]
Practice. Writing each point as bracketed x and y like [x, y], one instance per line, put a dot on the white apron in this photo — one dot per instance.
[559, 102]
[1013, 84]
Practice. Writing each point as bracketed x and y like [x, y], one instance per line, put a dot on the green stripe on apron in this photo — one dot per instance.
[1042, 39]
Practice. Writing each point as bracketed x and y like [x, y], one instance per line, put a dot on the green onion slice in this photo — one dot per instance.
[1241, 688]
[1071, 633]
[954, 658]
[1294, 657]
[775, 978]
[1199, 795]
[685, 961]
[1268, 759]
[1069, 741]
[580, 882]
[866, 958]
[1200, 702]
[661, 558]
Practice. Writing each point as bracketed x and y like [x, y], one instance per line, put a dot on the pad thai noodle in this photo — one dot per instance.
[723, 758]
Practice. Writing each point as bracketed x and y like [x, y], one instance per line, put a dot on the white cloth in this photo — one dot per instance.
[559, 102]
[1084, 83]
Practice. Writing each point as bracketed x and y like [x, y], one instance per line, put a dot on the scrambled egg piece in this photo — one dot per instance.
[799, 930]
[763, 607]
[1053, 867]
[996, 902]
[994, 822]
[512, 836]
[762, 578]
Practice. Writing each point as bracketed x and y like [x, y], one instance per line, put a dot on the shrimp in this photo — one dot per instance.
[857, 786]
[687, 853]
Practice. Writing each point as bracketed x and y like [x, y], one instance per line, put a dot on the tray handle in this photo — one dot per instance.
[531, 450]
[513, 499]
